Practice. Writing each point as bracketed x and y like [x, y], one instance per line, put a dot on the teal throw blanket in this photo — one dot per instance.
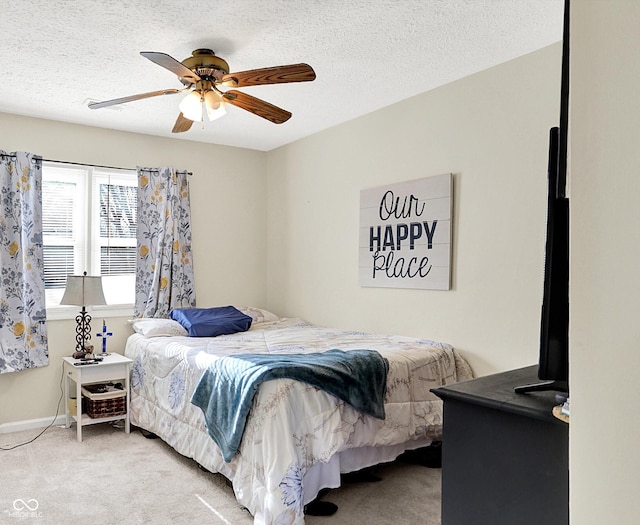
[226, 389]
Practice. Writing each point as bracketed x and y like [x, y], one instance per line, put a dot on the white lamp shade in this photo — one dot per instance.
[191, 106]
[215, 105]
[83, 290]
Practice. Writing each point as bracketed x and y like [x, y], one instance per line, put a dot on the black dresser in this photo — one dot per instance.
[505, 456]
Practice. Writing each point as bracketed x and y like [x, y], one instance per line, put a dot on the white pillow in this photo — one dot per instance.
[258, 315]
[151, 327]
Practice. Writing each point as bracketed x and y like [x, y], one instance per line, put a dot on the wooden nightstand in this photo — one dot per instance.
[114, 368]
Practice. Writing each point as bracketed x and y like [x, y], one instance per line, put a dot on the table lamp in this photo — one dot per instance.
[83, 290]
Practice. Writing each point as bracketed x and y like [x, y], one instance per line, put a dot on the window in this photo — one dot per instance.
[89, 219]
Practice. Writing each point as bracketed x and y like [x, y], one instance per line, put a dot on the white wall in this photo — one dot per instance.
[491, 131]
[605, 250]
[228, 229]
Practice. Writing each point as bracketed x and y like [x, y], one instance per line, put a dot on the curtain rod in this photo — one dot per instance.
[85, 164]
[105, 167]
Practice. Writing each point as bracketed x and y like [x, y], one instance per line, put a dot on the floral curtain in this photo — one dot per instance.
[23, 330]
[164, 273]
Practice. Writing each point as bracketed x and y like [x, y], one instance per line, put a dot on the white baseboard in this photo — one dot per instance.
[29, 424]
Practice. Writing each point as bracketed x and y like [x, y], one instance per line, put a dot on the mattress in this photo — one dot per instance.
[297, 438]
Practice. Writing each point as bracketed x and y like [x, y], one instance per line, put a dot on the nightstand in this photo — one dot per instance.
[113, 368]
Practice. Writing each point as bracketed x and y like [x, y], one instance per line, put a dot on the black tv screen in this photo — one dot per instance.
[554, 324]
[553, 362]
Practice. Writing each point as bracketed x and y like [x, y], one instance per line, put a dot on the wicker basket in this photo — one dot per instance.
[103, 400]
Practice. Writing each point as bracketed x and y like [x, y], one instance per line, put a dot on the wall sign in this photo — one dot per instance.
[405, 234]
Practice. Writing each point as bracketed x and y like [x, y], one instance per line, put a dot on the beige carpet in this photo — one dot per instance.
[115, 478]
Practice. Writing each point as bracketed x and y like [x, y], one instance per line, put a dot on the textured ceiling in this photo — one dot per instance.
[56, 55]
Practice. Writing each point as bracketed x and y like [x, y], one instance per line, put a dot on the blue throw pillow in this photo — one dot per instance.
[210, 322]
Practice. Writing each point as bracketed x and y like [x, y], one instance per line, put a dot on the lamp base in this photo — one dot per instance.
[83, 332]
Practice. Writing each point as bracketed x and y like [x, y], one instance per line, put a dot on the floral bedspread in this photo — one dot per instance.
[292, 426]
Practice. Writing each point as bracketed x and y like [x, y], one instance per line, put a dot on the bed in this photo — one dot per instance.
[298, 439]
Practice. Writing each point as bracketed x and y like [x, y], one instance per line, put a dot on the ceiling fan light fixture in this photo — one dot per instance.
[203, 73]
[191, 106]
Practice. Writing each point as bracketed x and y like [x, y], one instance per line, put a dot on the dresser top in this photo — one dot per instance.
[497, 391]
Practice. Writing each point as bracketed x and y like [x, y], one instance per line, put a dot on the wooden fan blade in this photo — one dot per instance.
[122, 100]
[256, 106]
[271, 75]
[182, 124]
[173, 65]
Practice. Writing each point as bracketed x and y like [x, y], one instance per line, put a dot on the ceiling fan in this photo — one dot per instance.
[204, 73]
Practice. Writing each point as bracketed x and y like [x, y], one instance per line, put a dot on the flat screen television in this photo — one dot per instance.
[553, 363]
